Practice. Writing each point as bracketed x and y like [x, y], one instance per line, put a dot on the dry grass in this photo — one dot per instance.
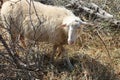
[88, 56]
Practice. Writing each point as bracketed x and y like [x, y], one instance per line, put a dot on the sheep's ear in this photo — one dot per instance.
[63, 25]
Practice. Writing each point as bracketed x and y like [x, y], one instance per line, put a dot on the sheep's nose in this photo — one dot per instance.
[70, 42]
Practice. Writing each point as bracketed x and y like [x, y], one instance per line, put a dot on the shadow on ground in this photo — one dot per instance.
[85, 68]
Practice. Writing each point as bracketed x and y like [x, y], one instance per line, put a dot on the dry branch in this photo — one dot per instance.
[1, 2]
[13, 59]
[9, 51]
[93, 10]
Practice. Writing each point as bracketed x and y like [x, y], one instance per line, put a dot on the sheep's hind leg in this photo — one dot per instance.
[53, 53]
[22, 39]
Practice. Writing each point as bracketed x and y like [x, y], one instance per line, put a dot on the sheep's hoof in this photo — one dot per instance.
[70, 66]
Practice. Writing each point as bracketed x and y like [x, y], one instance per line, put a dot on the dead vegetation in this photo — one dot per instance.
[92, 58]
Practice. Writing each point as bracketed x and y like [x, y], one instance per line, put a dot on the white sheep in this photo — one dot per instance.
[38, 22]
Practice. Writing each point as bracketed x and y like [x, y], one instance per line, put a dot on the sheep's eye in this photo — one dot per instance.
[76, 21]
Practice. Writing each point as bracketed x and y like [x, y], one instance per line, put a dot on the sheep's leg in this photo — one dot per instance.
[14, 33]
[65, 54]
[14, 40]
[59, 51]
[22, 39]
[53, 53]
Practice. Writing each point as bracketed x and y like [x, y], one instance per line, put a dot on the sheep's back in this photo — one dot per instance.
[41, 23]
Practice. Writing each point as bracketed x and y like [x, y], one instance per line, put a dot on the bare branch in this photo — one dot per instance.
[9, 51]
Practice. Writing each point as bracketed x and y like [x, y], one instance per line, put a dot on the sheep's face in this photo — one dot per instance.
[73, 23]
[72, 34]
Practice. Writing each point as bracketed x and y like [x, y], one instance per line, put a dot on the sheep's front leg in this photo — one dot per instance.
[65, 55]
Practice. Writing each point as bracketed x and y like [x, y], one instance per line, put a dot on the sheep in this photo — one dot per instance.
[35, 21]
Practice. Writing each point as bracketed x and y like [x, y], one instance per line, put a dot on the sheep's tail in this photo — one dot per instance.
[1, 1]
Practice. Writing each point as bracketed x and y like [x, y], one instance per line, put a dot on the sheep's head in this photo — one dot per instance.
[73, 23]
